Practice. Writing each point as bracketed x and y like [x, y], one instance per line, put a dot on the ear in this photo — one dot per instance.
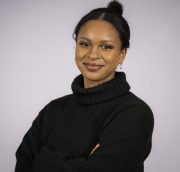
[122, 55]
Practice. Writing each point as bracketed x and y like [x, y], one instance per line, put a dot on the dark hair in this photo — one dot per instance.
[112, 14]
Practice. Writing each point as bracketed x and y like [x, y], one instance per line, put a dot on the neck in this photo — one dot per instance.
[112, 89]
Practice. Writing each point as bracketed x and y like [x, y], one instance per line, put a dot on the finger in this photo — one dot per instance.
[95, 148]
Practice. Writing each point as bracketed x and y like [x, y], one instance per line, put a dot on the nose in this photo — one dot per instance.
[94, 53]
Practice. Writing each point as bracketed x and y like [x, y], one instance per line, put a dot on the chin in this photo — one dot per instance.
[92, 76]
[100, 75]
[97, 76]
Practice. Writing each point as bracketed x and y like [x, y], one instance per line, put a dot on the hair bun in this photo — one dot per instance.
[115, 7]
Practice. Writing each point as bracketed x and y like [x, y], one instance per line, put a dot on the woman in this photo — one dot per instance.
[102, 126]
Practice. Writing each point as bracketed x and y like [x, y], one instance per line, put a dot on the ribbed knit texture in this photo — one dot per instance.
[67, 129]
[104, 92]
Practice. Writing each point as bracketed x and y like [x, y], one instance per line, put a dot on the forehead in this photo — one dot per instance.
[98, 30]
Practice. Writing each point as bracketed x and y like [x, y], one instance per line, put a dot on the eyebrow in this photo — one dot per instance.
[102, 41]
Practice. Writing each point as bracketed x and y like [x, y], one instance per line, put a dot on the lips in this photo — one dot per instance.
[92, 67]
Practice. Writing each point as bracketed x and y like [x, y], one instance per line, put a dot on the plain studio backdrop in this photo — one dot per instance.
[37, 65]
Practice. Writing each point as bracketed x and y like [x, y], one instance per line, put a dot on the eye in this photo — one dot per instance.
[84, 44]
[107, 47]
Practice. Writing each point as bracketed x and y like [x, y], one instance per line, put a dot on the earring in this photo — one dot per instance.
[120, 66]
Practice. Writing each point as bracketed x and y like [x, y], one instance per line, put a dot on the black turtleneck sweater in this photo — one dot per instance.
[68, 128]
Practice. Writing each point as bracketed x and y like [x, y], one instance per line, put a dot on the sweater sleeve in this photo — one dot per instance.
[29, 146]
[124, 145]
[35, 137]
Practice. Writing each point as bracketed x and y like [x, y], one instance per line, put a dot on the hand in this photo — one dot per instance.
[93, 150]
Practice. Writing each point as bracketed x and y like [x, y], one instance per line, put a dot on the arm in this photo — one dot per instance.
[124, 144]
[29, 146]
[36, 136]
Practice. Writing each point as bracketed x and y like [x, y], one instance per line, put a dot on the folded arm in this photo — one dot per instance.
[124, 144]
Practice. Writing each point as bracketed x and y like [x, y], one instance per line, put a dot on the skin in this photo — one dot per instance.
[98, 52]
[93, 150]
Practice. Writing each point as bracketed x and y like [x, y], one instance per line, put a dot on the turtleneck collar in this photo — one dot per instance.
[114, 88]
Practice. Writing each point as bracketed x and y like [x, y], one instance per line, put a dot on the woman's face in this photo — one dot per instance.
[98, 52]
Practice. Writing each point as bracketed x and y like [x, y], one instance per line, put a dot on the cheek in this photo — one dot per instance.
[76, 54]
[79, 53]
[78, 57]
[112, 58]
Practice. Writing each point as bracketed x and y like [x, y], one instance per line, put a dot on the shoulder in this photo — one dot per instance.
[59, 102]
[134, 109]
[132, 118]
[131, 101]
[132, 114]
[51, 110]
[139, 105]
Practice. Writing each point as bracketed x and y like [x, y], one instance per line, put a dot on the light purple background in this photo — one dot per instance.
[37, 65]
